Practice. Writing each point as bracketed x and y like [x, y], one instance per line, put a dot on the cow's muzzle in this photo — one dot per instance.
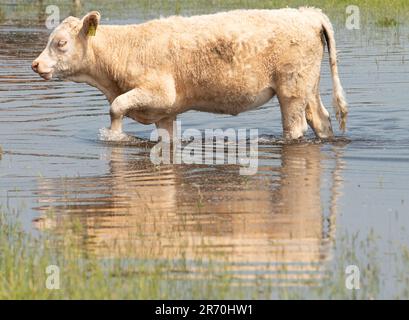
[45, 74]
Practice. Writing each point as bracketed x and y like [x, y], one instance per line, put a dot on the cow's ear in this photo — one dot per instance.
[90, 23]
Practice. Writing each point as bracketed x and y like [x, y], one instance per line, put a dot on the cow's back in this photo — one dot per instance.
[226, 59]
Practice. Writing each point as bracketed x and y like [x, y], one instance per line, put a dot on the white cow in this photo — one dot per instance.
[225, 63]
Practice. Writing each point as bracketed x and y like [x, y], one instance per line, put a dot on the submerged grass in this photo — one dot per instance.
[24, 260]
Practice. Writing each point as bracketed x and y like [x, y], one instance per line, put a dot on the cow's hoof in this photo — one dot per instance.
[106, 134]
[328, 134]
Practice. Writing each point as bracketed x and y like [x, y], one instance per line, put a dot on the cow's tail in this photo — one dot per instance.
[339, 101]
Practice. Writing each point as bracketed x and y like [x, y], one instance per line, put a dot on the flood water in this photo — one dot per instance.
[302, 199]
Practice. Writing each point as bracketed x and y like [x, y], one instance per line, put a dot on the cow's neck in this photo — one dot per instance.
[104, 63]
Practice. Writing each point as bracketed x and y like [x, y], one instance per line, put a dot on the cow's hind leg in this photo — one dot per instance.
[293, 116]
[317, 116]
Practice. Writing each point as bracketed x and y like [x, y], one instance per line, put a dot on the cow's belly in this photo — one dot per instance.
[144, 116]
[262, 98]
[216, 104]
[235, 104]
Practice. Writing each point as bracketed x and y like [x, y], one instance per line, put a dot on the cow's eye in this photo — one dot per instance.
[62, 43]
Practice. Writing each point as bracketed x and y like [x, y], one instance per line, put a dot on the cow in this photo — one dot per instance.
[225, 63]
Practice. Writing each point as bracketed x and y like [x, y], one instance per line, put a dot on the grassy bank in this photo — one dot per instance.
[24, 261]
[373, 12]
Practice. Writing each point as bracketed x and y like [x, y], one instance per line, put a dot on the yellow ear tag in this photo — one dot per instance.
[91, 31]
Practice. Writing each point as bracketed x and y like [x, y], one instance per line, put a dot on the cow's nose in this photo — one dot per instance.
[34, 66]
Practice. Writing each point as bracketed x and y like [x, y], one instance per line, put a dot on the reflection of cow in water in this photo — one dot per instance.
[270, 221]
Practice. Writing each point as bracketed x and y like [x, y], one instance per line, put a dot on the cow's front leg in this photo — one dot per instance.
[167, 124]
[139, 99]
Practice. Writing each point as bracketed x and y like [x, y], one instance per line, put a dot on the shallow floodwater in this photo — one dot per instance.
[304, 197]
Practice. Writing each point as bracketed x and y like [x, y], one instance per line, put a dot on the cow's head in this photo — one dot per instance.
[66, 48]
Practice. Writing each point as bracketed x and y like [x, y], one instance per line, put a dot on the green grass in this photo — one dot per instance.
[387, 22]
[373, 12]
[24, 259]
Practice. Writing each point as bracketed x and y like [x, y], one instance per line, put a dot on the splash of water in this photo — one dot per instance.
[106, 134]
